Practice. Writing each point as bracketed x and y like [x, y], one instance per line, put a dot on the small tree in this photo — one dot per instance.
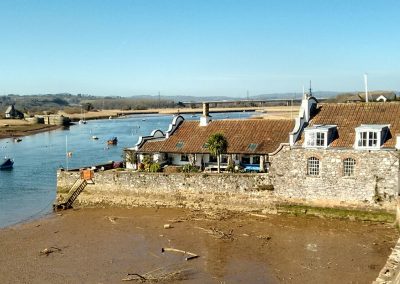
[217, 145]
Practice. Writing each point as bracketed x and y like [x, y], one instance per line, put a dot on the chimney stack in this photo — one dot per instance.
[205, 118]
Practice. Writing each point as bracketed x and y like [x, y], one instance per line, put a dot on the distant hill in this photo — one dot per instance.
[32, 104]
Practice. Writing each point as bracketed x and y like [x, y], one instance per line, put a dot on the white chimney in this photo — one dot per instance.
[205, 118]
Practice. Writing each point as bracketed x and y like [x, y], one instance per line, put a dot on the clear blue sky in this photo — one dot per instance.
[188, 47]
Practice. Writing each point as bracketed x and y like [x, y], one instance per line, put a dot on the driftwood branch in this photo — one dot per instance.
[191, 254]
[130, 278]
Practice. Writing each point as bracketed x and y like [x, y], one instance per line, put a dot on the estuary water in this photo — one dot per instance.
[29, 189]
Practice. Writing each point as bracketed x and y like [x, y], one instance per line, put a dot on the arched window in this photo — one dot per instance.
[313, 166]
[348, 167]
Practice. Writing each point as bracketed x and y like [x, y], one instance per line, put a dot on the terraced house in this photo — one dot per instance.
[331, 155]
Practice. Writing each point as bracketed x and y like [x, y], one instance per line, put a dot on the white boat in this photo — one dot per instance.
[94, 137]
[82, 121]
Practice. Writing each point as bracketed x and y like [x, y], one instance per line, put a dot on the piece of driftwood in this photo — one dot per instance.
[132, 278]
[259, 215]
[191, 254]
[162, 274]
[50, 250]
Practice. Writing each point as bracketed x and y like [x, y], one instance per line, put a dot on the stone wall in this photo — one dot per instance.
[196, 190]
[374, 184]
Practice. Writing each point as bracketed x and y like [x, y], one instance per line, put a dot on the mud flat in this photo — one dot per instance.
[10, 128]
[105, 245]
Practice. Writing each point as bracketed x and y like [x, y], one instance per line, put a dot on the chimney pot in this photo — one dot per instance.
[206, 109]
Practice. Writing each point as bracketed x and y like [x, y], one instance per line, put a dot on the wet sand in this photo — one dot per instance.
[104, 245]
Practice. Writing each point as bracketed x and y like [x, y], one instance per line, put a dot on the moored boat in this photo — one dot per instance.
[6, 164]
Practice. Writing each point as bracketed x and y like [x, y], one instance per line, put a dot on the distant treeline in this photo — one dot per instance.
[51, 103]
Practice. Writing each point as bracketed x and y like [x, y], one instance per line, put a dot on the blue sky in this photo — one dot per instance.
[199, 48]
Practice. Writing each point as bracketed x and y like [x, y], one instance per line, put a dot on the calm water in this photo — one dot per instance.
[29, 189]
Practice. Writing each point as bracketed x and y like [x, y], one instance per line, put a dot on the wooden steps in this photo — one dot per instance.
[73, 193]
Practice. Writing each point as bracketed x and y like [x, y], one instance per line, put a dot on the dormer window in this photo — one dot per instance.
[371, 136]
[319, 136]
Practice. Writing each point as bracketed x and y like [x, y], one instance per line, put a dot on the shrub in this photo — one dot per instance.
[230, 168]
[188, 168]
[154, 168]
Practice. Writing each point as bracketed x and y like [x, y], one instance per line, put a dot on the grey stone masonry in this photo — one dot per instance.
[374, 183]
[195, 190]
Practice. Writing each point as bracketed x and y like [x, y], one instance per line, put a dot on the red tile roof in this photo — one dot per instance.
[351, 115]
[266, 134]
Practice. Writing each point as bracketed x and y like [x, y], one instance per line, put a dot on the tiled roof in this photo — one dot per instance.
[251, 136]
[351, 115]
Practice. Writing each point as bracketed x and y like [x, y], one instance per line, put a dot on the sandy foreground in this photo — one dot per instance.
[105, 245]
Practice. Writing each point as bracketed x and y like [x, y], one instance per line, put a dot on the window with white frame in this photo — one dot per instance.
[319, 135]
[370, 136]
[349, 165]
[320, 141]
[368, 139]
[313, 166]
[316, 139]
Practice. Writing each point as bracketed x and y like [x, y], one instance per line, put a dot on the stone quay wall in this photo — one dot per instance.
[196, 190]
[374, 184]
[390, 273]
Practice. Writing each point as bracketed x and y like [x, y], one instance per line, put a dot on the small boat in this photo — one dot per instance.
[94, 137]
[17, 139]
[82, 121]
[143, 119]
[112, 141]
[110, 117]
[7, 164]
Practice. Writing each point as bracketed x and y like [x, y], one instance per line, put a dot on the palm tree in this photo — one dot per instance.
[217, 145]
